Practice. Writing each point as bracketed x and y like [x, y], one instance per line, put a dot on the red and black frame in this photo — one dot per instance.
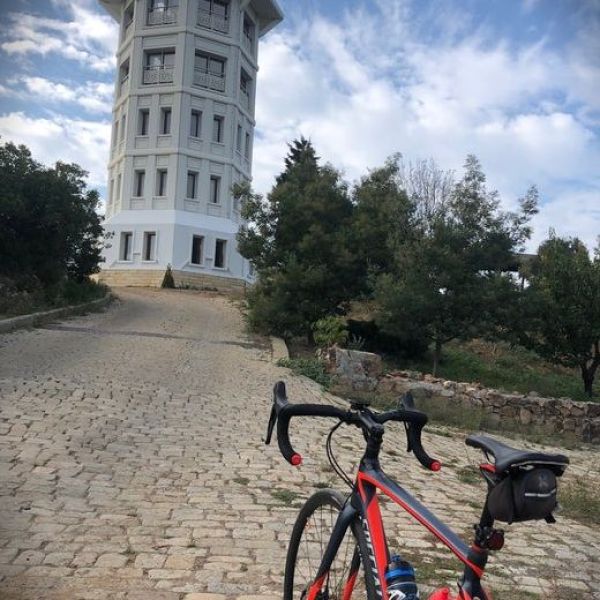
[362, 506]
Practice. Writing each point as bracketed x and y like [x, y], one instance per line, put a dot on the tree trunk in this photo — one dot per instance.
[588, 380]
[437, 355]
[588, 372]
[310, 337]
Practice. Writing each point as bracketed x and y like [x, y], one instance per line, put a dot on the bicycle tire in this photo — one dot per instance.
[296, 582]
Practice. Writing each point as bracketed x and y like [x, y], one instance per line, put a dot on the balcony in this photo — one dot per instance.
[248, 44]
[124, 85]
[162, 16]
[158, 74]
[245, 99]
[209, 20]
[208, 80]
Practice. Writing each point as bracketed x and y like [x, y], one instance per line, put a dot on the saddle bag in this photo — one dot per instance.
[528, 494]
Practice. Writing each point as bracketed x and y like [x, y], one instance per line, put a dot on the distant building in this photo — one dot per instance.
[183, 132]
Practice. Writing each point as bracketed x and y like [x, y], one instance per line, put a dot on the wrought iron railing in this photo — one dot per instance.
[205, 79]
[209, 20]
[162, 16]
[158, 74]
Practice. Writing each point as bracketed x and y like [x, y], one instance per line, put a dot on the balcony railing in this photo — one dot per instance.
[248, 44]
[245, 99]
[124, 84]
[162, 16]
[208, 80]
[158, 74]
[209, 20]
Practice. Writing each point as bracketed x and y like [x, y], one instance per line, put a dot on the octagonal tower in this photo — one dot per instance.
[183, 131]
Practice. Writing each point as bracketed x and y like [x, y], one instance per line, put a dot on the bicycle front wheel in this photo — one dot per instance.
[348, 578]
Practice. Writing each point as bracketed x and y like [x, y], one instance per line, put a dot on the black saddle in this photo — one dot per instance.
[506, 457]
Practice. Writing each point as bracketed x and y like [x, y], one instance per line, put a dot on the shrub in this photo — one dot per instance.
[330, 331]
[309, 367]
[168, 281]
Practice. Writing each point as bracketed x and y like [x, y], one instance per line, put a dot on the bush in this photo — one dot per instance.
[168, 281]
[309, 367]
[27, 295]
[330, 331]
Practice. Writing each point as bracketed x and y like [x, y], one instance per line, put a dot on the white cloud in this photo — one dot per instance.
[87, 37]
[571, 214]
[93, 96]
[59, 138]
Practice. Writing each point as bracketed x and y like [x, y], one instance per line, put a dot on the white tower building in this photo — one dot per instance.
[183, 130]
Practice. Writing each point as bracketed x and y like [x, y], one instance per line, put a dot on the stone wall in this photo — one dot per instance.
[363, 371]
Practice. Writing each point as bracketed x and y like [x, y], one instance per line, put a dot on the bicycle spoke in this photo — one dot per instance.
[317, 531]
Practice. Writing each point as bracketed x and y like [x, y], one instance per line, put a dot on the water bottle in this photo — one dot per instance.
[400, 580]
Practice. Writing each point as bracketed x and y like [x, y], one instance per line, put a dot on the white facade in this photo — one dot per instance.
[183, 131]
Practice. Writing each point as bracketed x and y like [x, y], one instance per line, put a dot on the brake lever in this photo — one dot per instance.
[271, 425]
[408, 444]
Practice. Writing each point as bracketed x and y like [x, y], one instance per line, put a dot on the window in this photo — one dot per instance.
[123, 75]
[128, 16]
[192, 184]
[165, 121]
[196, 124]
[214, 14]
[238, 143]
[209, 71]
[247, 148]
[245, 85]
[161, 182]
[139, 178]
[126, 245]
[159, 66]
[218, 127]
[248, 31]
[197, 250]
[162, 12]
[111, 195]
[143, 120]
[149, 245]
[115, 133]
[220, 249]
[123, 121]
[119, 187]
[215, 189]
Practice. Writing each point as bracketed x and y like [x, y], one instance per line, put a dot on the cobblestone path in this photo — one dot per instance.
[131, 467]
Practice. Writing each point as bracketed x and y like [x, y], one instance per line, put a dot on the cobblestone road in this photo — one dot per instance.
[131, 467]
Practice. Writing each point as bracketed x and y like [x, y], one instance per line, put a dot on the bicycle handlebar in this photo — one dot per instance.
[282, 411]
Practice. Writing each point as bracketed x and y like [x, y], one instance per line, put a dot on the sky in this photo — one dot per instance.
[515, 82]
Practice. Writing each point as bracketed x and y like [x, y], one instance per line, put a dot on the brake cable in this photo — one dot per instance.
[335, 465]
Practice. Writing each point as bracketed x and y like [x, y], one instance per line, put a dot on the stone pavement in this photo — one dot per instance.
[131, 467]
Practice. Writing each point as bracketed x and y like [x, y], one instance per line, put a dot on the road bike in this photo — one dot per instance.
[338, 548]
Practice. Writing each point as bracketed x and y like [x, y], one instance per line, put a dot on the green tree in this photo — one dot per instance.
[383, 212]
[298, 241]
[49, 227]
[561, 307]
[450, 279]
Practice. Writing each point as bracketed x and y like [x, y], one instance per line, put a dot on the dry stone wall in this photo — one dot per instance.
[363, 371]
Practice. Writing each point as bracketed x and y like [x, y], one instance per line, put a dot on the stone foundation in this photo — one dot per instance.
[154, 278]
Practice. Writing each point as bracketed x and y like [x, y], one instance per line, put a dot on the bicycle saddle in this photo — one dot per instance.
[506, 457]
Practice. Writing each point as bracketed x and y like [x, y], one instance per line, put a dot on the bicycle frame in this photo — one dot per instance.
[363, 507]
